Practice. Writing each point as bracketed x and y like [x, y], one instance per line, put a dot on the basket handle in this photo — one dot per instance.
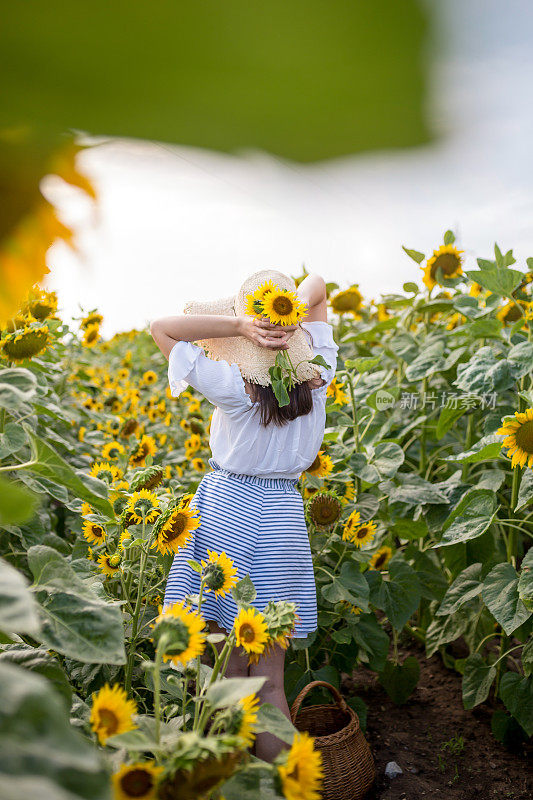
[339, 699]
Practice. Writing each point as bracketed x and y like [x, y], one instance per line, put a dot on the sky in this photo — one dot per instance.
[174, 224]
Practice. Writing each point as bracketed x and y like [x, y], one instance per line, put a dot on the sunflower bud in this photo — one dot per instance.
[147, 478]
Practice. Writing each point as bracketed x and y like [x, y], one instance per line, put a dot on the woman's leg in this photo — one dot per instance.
[272, 667]
[238, 660]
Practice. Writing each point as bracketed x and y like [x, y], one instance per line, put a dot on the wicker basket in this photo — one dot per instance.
[348, 764]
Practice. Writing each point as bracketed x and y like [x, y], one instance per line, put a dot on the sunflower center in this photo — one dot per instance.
[282, 305]
[108, 720]
[137, 783]
[178, 523]
[361, 532]
[524, 437]
[513, 314]
[97, 531]
[380, 560]
[247, 632]
[143, 506]
[448, 263]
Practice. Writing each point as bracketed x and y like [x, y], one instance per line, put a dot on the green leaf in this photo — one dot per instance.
[500, 593]
[410, 528]
[271, 720]
[416, 256]
[471, 517]
[39, 660]
[38, 743]
[487, 449]
[525, 581]
[19, 612]
[527, 657]
[371, 638]
[429, 361]
[11, 440]
[517, 695]
[449, 237]
[484, 373]
[17, 504]
[321, 361]
[525, 495]
[466, 586]
[414, 490]
[351, 579]
[17, 386]
[244, 591]
[400, 680]
[362, 365]
[228, 691]
[500, 281]
[409, 286]
[52, 466]
[399, 596]
[448, 416]
[521, 358]
[478, 677]
[388, 458]
[75, 621]
[307, 83]
[440, 632]
[362, 469]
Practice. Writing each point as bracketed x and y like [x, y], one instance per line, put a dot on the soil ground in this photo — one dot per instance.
[444, 751]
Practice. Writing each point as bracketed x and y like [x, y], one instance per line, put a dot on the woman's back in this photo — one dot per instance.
[238, 440]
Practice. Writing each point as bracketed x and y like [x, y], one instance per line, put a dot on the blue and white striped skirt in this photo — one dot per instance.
[259, 523]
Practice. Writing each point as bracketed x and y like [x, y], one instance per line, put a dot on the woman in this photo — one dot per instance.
[249, 505]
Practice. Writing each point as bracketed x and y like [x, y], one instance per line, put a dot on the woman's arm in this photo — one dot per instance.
[312, 292]
[191, 327]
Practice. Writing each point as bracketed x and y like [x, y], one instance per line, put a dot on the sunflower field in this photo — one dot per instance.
[419, 508]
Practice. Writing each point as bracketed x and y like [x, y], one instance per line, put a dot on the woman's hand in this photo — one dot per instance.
[264, 333]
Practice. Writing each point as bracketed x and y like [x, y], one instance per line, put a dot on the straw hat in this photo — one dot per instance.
[253, 360]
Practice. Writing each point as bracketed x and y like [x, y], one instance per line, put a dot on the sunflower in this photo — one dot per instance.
[219, 573]
[129, 426]
[383, 312]
[349, 493]
[184, 629]
[123, 374]
[143, 506]
[81, 433]
[41, 304]
[241, 719]
[27, 343]
[149, 377]
[174, 528]
[198, 464]
[146, 447]
[301, 771]
[519, 438]
[136, 781]
[381, 558]
[147, 478]
[324, 509]
[93, 532]
[335, 390]
[448, 259]
[112, 712]
[91, 319]
[109, 564]
[91, 335]
[254, 300]
[351, 524]
[348, 301]
[112, 450]
[282, 307]
[251, 630]
[362, 534]
[193, 443]
[510, 313]
[105, 471]
[321, 466]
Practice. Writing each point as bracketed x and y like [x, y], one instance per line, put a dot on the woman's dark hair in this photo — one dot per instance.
[300, 403]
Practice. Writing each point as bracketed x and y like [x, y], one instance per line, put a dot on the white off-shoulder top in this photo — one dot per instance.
[239, 443]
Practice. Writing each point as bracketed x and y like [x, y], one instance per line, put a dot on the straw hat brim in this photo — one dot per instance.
[253, 360]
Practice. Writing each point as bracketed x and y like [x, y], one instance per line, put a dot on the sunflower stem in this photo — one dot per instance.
[511, 536]
[157, 685]
[423, 454]
[13, 467]
[135, 620]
